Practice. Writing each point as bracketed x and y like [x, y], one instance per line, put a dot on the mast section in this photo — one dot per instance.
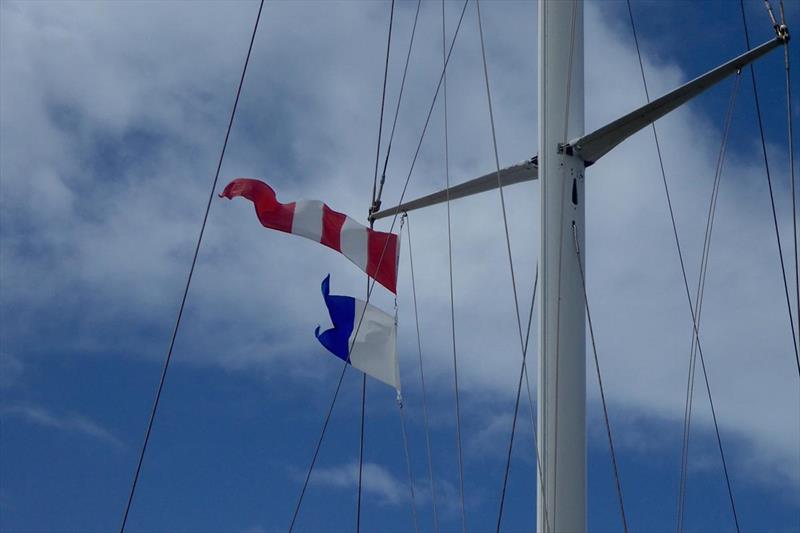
[561, 496]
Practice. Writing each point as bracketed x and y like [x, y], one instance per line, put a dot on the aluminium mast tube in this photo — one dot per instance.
[562, 348]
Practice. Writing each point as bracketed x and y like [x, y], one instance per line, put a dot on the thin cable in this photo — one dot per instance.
[383, 103]
[684, 276]
[771, 196]
[422, 380]
[790, 133]
[189, 278]
[376, 201]
[361, 451]
[452, 297]
[522, 372]
[600, 380]
[408, 462]
[523, 341]
[317, 448]
[699, 298]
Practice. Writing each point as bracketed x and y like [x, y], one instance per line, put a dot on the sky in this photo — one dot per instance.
[112, 117]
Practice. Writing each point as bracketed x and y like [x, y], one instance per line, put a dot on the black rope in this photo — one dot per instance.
[683, 273]
[383, 103]
[699, 295]
[189, 278]
[769, 185]
[600, 380]
[376, 200]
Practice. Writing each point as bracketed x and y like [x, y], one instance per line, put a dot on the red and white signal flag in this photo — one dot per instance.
[375, 252]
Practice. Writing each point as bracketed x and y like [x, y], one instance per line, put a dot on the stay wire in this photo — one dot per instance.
[459, 451]
[373, 207]
[523, 341]
[383, 104]
[377, 200]
[189, 278]
[523, 371]
[699, 298]
[600, 380]
[361, 449]
[790, 133]
[422, 380]
[380, 261]
[771, 195]
[408, 462]
[684, 276]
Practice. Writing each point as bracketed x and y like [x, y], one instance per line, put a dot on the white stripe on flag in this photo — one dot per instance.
[354, 242]
[307, 220]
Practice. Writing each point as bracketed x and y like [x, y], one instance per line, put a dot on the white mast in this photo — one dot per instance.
[561, 500]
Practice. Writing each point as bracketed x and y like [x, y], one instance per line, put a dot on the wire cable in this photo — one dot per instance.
[376, 201]
[600, 380]
[683, 273]
[699, 297]
[408, 462]
[361, 450]
[771, 195]
[523, 341]
[523, 371]
[790, 134]
[189, 278]
[459, 451]
[422, 380]
[383, 104]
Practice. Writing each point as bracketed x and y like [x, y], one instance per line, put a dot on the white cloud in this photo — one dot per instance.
[74, 423]
[376, 480]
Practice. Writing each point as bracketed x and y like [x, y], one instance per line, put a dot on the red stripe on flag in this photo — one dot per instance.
[382, 258]
[332, 222]
[270, 212]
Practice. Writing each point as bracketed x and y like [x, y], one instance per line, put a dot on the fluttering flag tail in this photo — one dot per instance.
[375, 252]
[372, 347]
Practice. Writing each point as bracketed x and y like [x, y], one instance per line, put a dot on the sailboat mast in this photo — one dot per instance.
[561, 498]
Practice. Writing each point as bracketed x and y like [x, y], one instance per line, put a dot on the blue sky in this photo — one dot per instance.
[113, 115]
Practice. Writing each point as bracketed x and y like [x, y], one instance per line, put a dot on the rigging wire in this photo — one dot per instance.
[422, 379]
[699, 297]
[383, 103]
[376, 200]
[523, 371]
[380, 261]
[684, 276]
[771, 195]
[600, 380]
[790, 133]
[372, 223]
[523, 341]
[361, 447]
[408, 460]
[410, 472]
[189, 277]
[459, 451]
